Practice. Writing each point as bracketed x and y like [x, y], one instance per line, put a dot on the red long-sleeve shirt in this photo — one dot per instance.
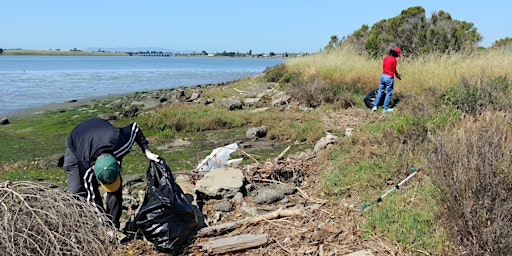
[389, 66]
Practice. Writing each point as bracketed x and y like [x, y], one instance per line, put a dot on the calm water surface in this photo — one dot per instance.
[34, 81]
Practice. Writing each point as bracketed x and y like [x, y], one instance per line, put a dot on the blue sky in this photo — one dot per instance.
[262, 26]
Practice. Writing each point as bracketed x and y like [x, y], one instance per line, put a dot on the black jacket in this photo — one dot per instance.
[95, 136]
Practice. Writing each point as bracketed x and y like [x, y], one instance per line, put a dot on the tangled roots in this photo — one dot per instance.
[41, 219]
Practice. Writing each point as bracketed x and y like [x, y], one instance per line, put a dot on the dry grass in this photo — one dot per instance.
[347, 67]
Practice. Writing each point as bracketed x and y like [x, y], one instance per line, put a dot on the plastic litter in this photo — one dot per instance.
[218, 158]
[166, 218]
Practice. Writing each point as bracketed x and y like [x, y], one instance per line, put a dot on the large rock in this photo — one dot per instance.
[324, 142]
[256, 132]
[220, 183]
[231, 104]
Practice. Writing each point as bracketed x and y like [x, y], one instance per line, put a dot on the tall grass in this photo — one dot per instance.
[346, 66]
[342, 66]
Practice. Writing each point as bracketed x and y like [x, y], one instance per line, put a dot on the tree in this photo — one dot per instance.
[504, 43]
[414, 34]
[332, 43]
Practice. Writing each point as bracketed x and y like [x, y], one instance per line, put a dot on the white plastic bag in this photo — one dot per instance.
[217, 159]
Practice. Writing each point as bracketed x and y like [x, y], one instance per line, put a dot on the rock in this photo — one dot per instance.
[184, 182]
[223, 206]
[324, 142]
[348, 131]
[280, 99]
[231, 104]
[107, 116]
[251, 211]
[150, 104]
[223, 182]
[4, 121]
[251, 101]
[256, 132]
[268, 195]
[258, 110]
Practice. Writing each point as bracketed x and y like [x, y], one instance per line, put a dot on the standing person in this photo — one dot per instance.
[94, 154]
[387, 79]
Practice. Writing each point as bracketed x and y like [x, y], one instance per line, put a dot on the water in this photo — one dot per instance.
[35, 81]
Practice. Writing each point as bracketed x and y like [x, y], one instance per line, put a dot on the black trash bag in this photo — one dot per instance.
[166, 218]
[369, 99]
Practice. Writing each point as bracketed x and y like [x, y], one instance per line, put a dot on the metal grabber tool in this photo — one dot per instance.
[397, 186]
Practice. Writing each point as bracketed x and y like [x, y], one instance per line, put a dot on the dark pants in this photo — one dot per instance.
[76, 185]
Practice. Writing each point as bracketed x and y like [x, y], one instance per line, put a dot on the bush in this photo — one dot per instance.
[274, 74]
[472, 169]
[315, 91]
[475, 97]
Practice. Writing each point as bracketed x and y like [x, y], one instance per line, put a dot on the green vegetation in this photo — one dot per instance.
[453, 121]
[414, 33]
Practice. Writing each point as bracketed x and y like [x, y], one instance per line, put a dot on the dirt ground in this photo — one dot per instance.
[332, 229]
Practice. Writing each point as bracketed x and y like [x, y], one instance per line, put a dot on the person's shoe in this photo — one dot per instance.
[374, 109]
[388, 110]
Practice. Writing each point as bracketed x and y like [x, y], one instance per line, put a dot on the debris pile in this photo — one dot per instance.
[41, 219]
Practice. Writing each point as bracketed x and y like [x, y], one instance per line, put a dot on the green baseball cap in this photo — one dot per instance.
[107, 172]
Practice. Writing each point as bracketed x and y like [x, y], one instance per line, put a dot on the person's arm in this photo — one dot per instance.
[141, 140]
[144, 144]
[396, 72]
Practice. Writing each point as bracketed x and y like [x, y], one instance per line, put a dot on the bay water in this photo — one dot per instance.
[34, 81]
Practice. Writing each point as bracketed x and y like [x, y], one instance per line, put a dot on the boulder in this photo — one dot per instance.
[223, 182]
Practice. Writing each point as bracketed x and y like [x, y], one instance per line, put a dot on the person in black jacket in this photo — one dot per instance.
[94, 154]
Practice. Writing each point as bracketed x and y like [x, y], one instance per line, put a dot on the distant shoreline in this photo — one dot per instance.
[60, 53]
[140, 53]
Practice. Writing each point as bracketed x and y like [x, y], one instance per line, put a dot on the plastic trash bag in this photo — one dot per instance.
[369, 99]
[217, 159]
[165, 218]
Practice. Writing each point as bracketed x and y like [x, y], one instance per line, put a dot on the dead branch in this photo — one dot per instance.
[225, 227]
[41, 219]
[280, 156]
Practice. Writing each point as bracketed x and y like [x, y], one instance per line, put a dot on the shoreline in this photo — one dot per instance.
[70, 104]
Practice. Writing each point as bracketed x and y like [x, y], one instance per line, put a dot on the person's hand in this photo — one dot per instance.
[152, 156]
[398, 76]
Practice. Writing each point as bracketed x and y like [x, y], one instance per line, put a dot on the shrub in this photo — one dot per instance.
[274, 74]
[472, 169]
[315, 91]
[474, 97]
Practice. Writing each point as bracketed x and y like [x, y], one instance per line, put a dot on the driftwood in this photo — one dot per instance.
[225, 227]
[234, 243]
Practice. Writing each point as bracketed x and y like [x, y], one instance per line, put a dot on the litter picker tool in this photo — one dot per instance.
[397, 186]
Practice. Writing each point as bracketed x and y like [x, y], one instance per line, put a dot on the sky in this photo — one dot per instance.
[260, 26]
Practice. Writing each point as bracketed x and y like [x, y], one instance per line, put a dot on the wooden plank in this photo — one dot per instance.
[235, 243]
